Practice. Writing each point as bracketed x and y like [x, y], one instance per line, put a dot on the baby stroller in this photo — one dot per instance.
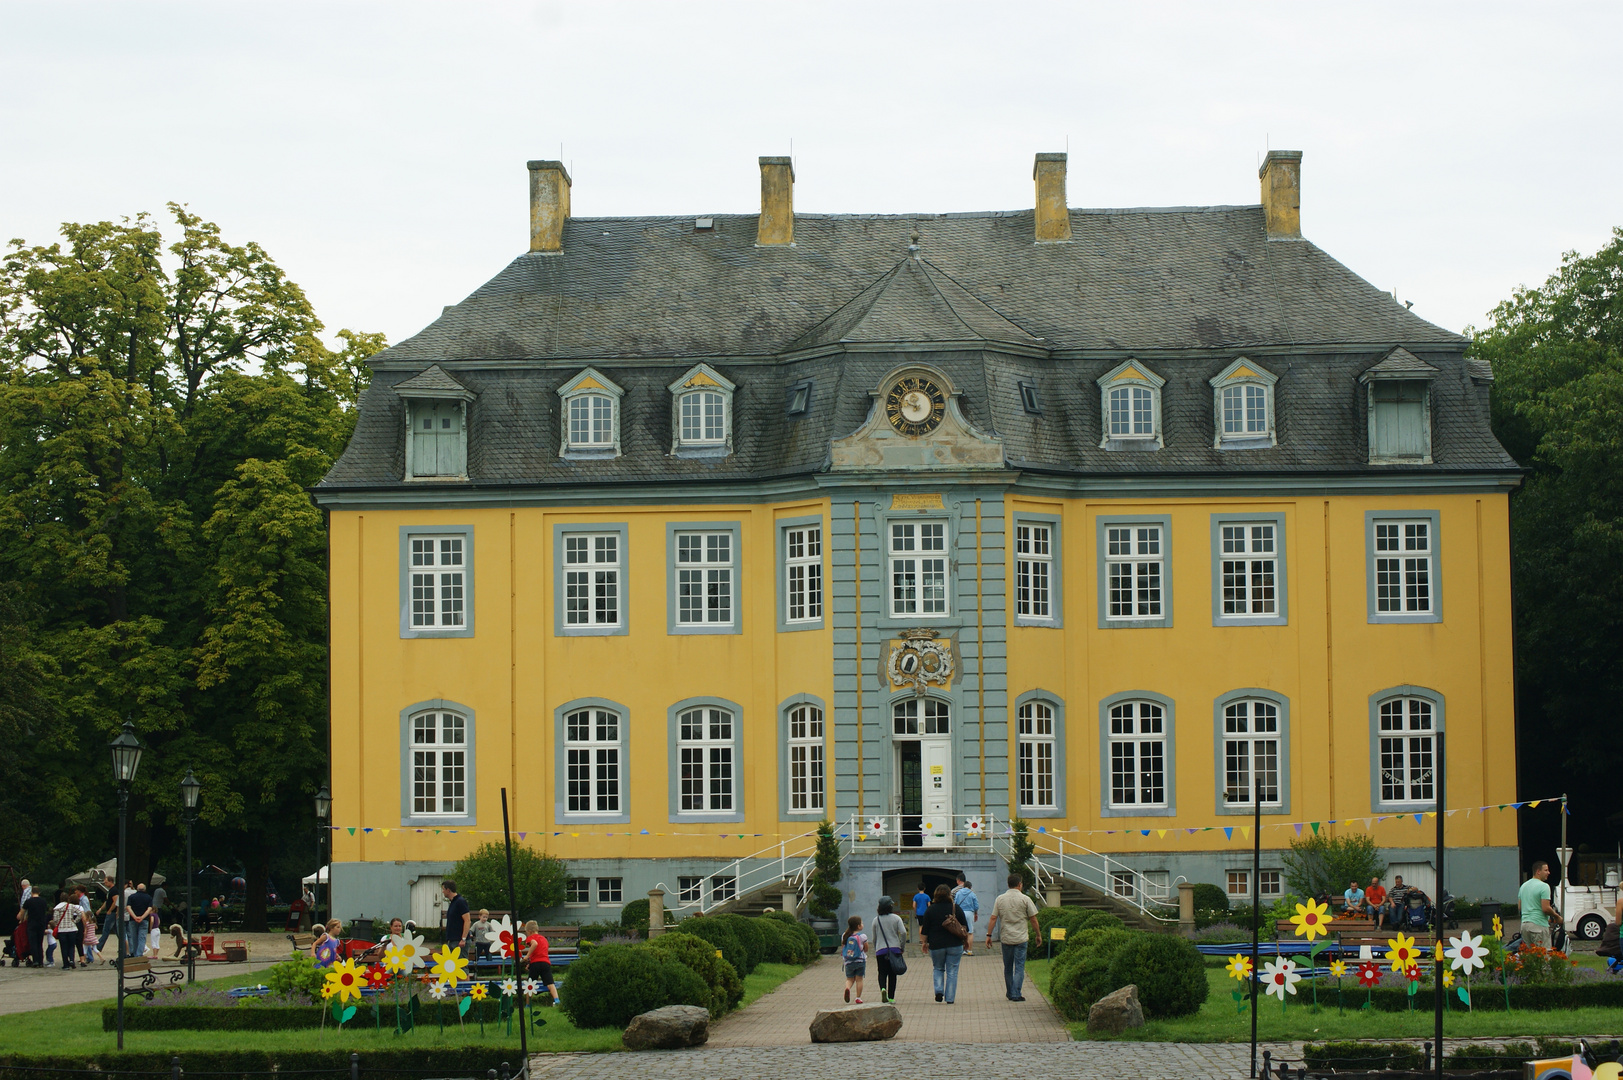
[1416, 913]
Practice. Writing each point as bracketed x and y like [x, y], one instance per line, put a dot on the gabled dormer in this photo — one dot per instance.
[436, 425]
[1399, 396]
[1130, 397]
[702, 413]
[1243, 406]
[589, 417]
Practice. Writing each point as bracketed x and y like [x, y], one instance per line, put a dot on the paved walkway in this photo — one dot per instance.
[27, 989]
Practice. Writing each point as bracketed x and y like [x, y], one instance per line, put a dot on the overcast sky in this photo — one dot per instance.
[1452, 151]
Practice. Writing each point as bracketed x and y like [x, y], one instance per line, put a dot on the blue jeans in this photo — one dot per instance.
[945, 962]
[1014, 969]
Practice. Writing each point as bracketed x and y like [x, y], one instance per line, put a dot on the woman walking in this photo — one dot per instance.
[66, 919]
[889, 937]
[942, 932]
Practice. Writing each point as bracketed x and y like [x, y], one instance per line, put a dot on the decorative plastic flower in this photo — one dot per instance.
[393, 962]
[377, 977]
[1498, 927]
[876, 827]
[1414, 973]
[1369, 973]
[509, 987]
[328, 990]
[532, 987]
[501, 936]
[975, 827]
[478, 991]
[1402, 953]
[326, 953]
[1280, 977]
[1338, 968]
[1448, 978]
[1239, 967]
[450, 965]
[437, 991]
[413, 950]
[346, 978]
[928, 826]
[1312, 919]
[1466, 953]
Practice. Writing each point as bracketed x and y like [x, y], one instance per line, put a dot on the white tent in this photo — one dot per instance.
[319, 875]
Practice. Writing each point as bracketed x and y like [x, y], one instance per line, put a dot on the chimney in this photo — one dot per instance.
[549, 205]
[777, 202]
[1053, 217]
[1281, 175]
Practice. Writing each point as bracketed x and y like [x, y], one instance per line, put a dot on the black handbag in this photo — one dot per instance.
[897, 962]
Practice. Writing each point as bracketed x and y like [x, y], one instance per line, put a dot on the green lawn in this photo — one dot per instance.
[71, 1029]
[1217, 1020]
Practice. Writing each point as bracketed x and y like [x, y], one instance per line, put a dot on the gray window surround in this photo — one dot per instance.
[578, 903]
[883, 520]
[1056, 584]
[1280, 701]
[784, 813]
[679, 389]
[1057, 703]
[1438, 724]
[1435, 615]
[412, 401]
[674, 780]
[1281, 579]
[1169, 732]
[1369, 380]
[1227, 377]
[783, 525]
[1103, 522]
[671, 529]
[573, 389]
[559, 627]
[466, 629]
[560, 763]
[1109, 381]
[437, 705]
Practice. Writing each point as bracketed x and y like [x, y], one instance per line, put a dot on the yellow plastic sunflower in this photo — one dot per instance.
[1239, 967]
[1448, 978]
[1312, 919]
[394, 961]
[327, 990]
[478, 991]
[1402, 953]
[346, 980]
[450, 966]
[1338, 968]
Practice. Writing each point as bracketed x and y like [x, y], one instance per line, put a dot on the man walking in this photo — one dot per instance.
[1534, 899]
[457, 916]
[1011, 914]
[135, 921]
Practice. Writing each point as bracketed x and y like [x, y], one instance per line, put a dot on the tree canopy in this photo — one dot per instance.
[162, 409]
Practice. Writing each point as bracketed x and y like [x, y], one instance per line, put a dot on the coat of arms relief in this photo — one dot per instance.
[921, 659]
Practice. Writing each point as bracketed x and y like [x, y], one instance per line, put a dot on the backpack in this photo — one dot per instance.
[853, 952]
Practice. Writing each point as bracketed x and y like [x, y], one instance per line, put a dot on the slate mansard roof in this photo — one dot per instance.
[1185, 290]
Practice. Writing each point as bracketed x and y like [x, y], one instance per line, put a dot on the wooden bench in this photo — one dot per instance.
[147, 984]
[302, 942]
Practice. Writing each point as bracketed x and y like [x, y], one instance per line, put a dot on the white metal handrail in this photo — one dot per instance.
[789, 861]
[887, 832]
[1055, 857]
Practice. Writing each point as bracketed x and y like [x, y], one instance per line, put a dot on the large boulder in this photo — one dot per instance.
[1116, 1012]
[670, 1028]
[860, 1023]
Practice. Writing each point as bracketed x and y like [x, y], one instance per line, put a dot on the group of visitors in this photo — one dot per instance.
[63, 932]
[946, 926]
[1385, 906]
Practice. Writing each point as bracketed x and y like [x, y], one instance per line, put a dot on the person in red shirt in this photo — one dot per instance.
[1375, 899]
[538, 958]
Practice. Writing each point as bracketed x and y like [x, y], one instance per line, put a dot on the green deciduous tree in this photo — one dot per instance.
[538, 878]
[1321, 863]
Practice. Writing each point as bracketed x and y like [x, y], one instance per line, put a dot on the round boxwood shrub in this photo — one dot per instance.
[719, 934]
[1073, 920]
[634, 916]
[726, 988]
[783, 944]
[810, 946]
[1169, 972]
[1210, 897]
[613, 983]
[1082, 974]
[750, 933]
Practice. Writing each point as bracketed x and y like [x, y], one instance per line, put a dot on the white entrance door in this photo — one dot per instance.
[936, 755]
[427, 901]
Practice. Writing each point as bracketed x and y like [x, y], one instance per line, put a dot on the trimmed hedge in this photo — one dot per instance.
[1169, 972]
[412, 1063]
[1081, 976]
[1074, 920]
[282, 1018]
[749, 932]
[1490, 997]
[726, 988]
[613, 983]
[719, 934]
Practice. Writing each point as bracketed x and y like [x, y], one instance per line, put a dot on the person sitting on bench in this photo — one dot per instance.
[1354, 901]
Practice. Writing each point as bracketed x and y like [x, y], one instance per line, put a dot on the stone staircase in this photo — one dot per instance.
[1075, 894]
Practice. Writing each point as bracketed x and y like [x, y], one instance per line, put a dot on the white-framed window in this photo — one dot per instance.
[1034, 570]
[1407, 745]
[437, 581]
[1243, 399]
[591, 421]
[704, 417]
[610, 891]
[1239, 884]
[592, 568]
[1249, 569]
[439, 764]
[1130, 396]
[1270, 883]
[689, 888]
[1252, 757]
[723, 887]
[577, 892]
[1245, 410]
[1123, 884]
[918, 568]
[805, 750]
[1403, 567]
[1035, 757]
[704, 579]
[929, 717]
[705, 746]
[590, 410]
[803, 573]
[1134, 562]
[592, 762]
[702, 412]
[1138, 755]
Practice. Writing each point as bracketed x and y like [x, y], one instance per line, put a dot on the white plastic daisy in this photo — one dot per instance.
[532, 987]
[876, 827]
[1280, 977]
[975, 827]
[509, 987]
[412, 950]
[437, 991]
[501, 936]
[1465, 953]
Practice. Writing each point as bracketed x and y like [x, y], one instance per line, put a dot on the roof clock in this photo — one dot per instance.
[915, 404]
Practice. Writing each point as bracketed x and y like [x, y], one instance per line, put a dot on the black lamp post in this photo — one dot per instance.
[190, 789]
[126, 760]
[323, 811]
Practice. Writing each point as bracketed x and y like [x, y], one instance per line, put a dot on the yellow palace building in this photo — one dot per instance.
[691, 532]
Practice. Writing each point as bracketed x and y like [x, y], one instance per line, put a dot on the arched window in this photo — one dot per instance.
[1039, 770]
[1137, 761]
[592, 771]
[1404, 723]
[591, 421]
[1252, 751]
[911, 716]
[1243, 400]
[702, 413]
[1131, 400]
[591, 416]
[706, 760]
[704, 418]
[437, 764]
[804, 758]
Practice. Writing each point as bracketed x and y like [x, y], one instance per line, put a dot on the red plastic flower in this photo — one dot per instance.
[1413, 973]
[1369, 973]
[377, 977]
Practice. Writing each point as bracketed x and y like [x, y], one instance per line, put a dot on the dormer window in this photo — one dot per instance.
[1399, 389]
[702, 403]
[1131, 400]
[799, 398]
[1243, 400]
[436, 425]
[591, 416]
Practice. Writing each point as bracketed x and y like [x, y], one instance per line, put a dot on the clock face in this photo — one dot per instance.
[915, 405]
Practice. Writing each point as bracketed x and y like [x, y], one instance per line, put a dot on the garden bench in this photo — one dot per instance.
[301, 942]
[147, 984]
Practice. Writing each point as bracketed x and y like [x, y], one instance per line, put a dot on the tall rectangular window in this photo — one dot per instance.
[1033, 570]
[592, 762]
[1133, 571]
[1251, 753]
[1245, 409]
[1403, 567]
[592, 579]
[1399, 423]
[438, 443]
[704, 746]
[803, 573]
[591, 420]
[704, 579]
[1249, 570]
[806, 784]
[1406, 749]
[437, 592]
[1035, 755]
[918, 568]
[1137, 739]
[439, 763]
